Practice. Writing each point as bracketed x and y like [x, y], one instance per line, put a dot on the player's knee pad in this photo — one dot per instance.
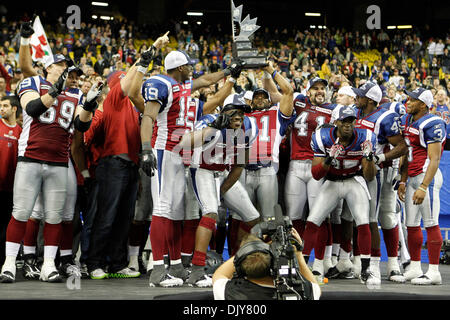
[388, 220]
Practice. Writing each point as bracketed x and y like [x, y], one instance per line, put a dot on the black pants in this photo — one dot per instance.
[89, 211]
[117, 191]
[6, 207]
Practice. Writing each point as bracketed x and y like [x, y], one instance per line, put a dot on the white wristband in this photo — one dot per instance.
[266, 75]
[142, 69]
[381, 158]
[24, 41]
[231, 79]
[85, 173]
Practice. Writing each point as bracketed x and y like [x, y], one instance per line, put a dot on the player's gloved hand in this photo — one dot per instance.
[147, 57]
[367, 148]
[91, 103]
[379, 158]
[26, 29]
[335, 150]
[235, 68]
[221, 122]
[60, 84]
[148, 162]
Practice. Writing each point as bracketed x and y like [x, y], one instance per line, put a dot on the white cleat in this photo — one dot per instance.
[428, 278]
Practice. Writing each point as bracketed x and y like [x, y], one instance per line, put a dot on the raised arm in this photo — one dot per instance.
[142, 67]
[208, 79]
[286, 105]
[25, 60]
[219, 97]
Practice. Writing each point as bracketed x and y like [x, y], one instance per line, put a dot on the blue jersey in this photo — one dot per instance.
[383, 122]
[349, 162]
[224, 148]
[174, 99]
[397, 107]
[418, 135]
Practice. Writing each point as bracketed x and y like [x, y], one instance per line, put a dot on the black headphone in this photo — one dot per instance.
[249, 248]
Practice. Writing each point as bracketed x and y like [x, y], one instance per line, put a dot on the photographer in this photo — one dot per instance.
[255, 279]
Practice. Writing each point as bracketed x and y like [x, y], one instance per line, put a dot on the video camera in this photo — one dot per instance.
[285, 268]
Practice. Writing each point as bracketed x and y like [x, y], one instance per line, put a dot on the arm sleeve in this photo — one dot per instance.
[155, 90]
[285, 121]
[435, 131]
[315, 144]
[391, 125]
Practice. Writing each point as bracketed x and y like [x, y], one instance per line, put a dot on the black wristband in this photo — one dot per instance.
[81, 125]
[35, 108]
[328, 160]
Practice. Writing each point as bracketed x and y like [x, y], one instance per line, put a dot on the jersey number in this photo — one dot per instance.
[301, 123]
[65, 116]
[264, 133]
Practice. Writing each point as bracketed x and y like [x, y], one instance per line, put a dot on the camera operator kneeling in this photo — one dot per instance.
[254, 279]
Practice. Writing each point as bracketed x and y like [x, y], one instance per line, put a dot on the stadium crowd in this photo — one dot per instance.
[394, 60]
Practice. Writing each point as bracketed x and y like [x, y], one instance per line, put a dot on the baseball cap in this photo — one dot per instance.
[421, 94]
[248, 95]
[347, 90]
[313, 81]
[263, 91]
[346, 112]
[56, 58]
[370, 90]
[176, 59]
[114, 77]
[236, 101]
[77, 69]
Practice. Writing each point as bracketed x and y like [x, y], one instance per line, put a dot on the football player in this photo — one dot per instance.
[166, 98]
[420, 184]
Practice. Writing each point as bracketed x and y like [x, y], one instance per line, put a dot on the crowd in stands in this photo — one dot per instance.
[404, 58]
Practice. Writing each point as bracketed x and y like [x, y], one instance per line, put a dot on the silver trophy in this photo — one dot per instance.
[242, 45]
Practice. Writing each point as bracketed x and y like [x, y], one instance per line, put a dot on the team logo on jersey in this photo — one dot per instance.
[367, 123]
[300, 104]
[413, 131]
[175, 88]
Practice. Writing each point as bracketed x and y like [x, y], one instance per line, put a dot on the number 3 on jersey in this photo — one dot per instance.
[301, 123]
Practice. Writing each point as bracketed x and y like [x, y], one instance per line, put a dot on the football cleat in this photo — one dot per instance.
[49, 273]
[124, 273]
[428, 279]
[30, 267]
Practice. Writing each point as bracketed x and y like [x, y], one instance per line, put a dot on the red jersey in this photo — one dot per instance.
[174, 99]
[272, 125]
[121, 126]
[418, 135]
[46, 138]
[9, 141]
[309, 117]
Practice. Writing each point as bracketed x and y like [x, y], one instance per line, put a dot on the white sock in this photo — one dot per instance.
[335, 248]
[29, 250]
[328, 251]
[12, 249]
[50, 252]
[64, 253]
[133, 251]
[415, 265]
[344, 255]
[433, 268]
[48, 262]
[318, 265]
